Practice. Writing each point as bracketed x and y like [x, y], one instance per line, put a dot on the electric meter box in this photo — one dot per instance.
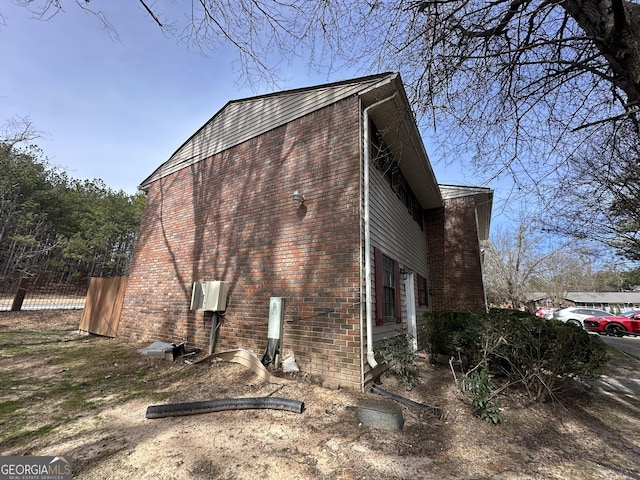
[209, 296]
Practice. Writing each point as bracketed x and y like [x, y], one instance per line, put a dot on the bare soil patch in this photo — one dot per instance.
[86, 397]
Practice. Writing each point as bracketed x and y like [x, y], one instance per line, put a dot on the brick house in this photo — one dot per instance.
[373, 244]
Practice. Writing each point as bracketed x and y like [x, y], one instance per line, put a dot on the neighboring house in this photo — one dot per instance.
[614, 302]
[536, 300]
[375, 243]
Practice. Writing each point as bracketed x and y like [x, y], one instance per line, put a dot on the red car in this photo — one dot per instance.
[545, 312]
[613, 325]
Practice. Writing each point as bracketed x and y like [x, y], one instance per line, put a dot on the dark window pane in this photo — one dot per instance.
[389, 289]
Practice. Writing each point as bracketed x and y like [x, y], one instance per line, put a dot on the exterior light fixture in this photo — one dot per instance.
[298, 197]
[404, 273]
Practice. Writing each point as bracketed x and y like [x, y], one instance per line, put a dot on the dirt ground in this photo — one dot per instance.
[591, 435]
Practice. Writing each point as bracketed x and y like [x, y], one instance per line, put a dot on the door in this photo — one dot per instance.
[410, 304]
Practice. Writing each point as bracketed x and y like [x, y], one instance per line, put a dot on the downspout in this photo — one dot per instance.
[367, 233]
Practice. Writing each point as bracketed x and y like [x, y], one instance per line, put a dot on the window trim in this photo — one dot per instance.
[423, 291]
[379, 288]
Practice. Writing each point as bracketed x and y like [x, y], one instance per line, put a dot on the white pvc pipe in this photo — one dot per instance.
[367, 234]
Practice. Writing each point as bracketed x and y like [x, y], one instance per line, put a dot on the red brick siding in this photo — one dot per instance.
[454, 256]
[232, 218]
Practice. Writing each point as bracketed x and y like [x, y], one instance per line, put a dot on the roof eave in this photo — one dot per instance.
[402, 136]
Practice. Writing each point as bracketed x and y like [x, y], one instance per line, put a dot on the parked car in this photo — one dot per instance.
[631, 314]
[576, 315]
[615, 325]
[545, 312]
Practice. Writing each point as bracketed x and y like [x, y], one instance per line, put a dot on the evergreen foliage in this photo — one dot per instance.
[49, 221]
[507, 349]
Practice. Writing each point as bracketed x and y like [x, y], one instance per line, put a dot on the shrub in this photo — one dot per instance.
[400, 355]
[453, 334]
[539, 355]
[483, 393]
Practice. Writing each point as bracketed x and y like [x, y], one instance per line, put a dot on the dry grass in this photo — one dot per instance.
[84, 396]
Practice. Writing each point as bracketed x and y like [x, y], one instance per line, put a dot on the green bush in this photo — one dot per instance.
[541, 356]
[453, 334]
[482, 391]
[400, 355]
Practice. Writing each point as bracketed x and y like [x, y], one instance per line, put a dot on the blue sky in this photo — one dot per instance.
[116, 109]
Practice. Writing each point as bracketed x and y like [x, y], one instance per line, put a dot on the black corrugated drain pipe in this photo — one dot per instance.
[195, 408]
[405, 401]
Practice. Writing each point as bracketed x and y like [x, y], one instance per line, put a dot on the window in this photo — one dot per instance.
[416, 211]
[387, 289]
[401, 187]
[389, 286]
[383, 159]
[423, 300]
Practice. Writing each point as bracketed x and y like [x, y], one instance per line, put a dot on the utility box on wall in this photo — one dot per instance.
[276, 318]
[209, 296]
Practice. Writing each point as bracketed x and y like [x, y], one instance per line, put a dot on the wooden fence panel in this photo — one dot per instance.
[102, 308]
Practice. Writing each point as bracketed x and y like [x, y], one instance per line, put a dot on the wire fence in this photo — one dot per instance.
[35, 274]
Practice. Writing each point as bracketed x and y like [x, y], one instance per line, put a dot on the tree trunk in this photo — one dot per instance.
[16, 306]
[614, 26]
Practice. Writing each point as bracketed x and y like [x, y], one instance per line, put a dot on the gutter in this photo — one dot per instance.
[367, 233]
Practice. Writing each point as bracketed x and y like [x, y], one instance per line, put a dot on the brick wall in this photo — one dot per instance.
[232, 218]
[454, 256]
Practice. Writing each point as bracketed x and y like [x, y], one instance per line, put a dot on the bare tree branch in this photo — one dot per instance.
[152, 14]
[519, 88]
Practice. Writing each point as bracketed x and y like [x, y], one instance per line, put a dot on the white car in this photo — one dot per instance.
[576, 315]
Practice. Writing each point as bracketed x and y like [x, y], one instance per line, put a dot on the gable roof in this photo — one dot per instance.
[244, 119]
[603, 297]
[593, 297]
[484, 203]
